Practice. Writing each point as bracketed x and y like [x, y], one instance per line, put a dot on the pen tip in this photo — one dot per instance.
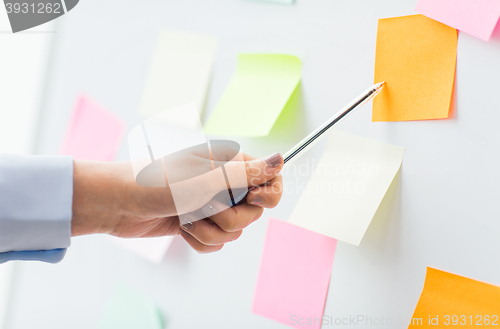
[376, 89]
[379, 85]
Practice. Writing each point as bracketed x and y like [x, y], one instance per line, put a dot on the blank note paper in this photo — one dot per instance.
[473, 302]
[179, 73]
[294, 275]
[347, 186]
[151, 249]
[93, 134]
[128, 309]
[416, 58]
[256, 95]
[475, 17]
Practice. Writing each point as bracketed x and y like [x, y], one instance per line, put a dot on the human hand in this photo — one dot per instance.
[107, 199]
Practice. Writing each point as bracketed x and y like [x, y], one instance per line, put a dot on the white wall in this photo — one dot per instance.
[23, 59]
[6, 271]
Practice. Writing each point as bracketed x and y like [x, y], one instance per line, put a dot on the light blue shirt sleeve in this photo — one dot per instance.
[36, 197]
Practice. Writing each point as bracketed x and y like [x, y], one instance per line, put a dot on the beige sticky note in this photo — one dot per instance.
[179, 73]
[347, 186]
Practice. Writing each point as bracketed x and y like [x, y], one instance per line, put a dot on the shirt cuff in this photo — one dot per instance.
[48, 256]
[36, 197]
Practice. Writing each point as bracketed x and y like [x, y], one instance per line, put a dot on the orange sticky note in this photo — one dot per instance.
[416, 57]
[449, 300]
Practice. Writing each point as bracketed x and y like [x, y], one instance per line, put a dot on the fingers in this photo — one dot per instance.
[232, 219]
[209, 233]
[267, 195]
[198, 246]
[256, 171]
[226, 224]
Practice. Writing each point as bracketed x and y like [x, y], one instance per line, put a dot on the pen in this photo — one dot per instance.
[316, 135]
[313, 137]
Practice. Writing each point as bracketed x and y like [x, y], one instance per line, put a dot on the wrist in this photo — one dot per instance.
[96, 192]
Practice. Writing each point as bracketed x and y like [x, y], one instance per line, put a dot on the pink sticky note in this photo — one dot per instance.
[474, 17]
[93, 133]
[294, 275]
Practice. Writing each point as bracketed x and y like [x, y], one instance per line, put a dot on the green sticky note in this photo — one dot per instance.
[127, 309]
[256, 95]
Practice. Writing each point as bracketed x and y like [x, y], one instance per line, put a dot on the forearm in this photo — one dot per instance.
[106, 196]
[97, 197]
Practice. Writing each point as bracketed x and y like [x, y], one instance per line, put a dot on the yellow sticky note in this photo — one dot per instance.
[416, 57]
[449, 300]
[256, 95]
[179, 74]
[347, 186]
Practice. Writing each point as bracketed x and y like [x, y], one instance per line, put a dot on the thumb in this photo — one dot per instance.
[257, 172]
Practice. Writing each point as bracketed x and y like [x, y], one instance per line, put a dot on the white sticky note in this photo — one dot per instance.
[347, 186]
[179, 73]
[151, 249]
[158, 131]
[147, 141]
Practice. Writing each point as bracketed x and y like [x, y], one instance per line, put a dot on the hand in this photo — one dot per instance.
[107, 199]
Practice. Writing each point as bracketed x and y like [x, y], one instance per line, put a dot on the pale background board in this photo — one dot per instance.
[444, 206]
[23, 64]
[6, 281]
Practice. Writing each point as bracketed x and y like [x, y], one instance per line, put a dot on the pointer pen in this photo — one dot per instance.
[316, 135]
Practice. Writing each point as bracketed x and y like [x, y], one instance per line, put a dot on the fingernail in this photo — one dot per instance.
[209, 210]
[257, 200]
[273, 160]
[187, 226]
